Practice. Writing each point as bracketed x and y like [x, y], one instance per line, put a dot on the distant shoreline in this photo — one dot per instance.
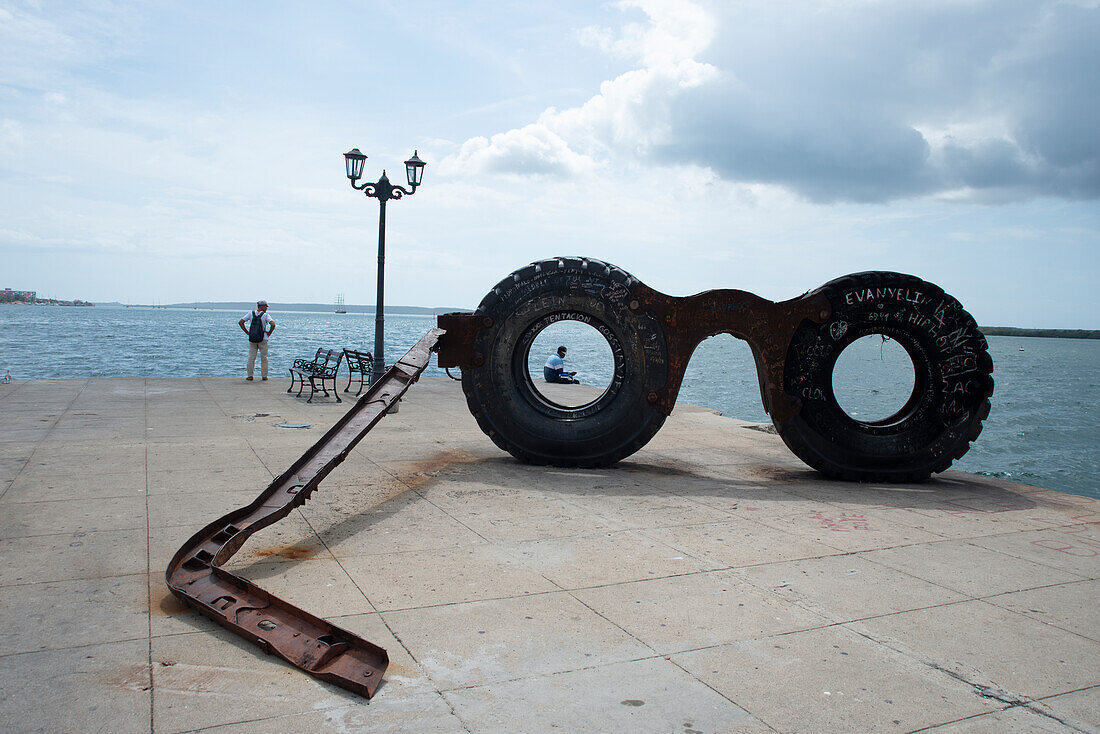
[1050, 333]
[48, 302]
[313, 307]
[429, 311]
[275, 307]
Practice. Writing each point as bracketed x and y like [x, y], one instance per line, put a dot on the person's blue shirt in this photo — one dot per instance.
[554, 369]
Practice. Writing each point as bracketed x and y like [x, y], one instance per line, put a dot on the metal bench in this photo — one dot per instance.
[360, 362]
[324, 366]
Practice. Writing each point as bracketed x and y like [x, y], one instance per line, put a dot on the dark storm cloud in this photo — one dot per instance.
[877, 101]
[825, 154]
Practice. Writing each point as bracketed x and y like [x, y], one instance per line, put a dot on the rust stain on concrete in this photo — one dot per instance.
[289, 552]
[129, 677]
[169, 605]
[416, 474]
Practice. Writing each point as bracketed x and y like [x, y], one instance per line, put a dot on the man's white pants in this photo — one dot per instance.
[260, 347]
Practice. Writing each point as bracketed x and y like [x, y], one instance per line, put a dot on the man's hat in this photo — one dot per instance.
[260, 303]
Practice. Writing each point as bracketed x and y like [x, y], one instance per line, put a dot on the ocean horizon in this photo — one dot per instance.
[1041, 429]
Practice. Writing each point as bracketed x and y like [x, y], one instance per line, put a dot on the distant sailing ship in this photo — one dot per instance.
[340, 304]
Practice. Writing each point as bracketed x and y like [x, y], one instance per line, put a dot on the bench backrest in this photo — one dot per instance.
[358, 361]
[328, 360]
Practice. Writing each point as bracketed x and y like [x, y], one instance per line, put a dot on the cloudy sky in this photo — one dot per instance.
[177, 151]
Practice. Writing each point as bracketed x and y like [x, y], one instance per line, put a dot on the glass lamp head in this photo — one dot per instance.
[353, 161]
[414, 169]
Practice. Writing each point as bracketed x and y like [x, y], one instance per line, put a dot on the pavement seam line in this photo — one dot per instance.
[418, 493]
[1079, 578]
[985, 691]
[381, 615]
[1035, 706]
[985, 600]
[1029, 560]
[148, 561]
[226, 414]
[536, 676]
[53, 426]
[80, 646]
[7, 394]
[708, 685]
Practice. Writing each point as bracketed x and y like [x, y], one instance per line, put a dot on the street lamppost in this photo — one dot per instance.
[382, 190]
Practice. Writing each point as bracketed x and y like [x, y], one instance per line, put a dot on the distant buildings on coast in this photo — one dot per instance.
[31, 297]
[10, 296]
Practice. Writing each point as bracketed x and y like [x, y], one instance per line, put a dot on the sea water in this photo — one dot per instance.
[1042, 428]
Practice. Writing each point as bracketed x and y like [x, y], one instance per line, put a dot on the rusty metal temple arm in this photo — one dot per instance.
[308, 642]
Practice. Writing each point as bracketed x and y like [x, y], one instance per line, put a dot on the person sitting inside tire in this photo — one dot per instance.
[554, 369]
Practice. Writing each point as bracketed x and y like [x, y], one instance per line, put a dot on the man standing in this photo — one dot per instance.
[554, 369]
[259, 329]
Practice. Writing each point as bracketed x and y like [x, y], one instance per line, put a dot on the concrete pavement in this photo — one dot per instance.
[710, 583]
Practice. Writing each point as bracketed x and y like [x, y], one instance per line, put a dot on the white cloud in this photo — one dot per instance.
[532, 150]
[626, 118]
[673, 32]
[991, 100]
[12, 137]
[38, 46]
